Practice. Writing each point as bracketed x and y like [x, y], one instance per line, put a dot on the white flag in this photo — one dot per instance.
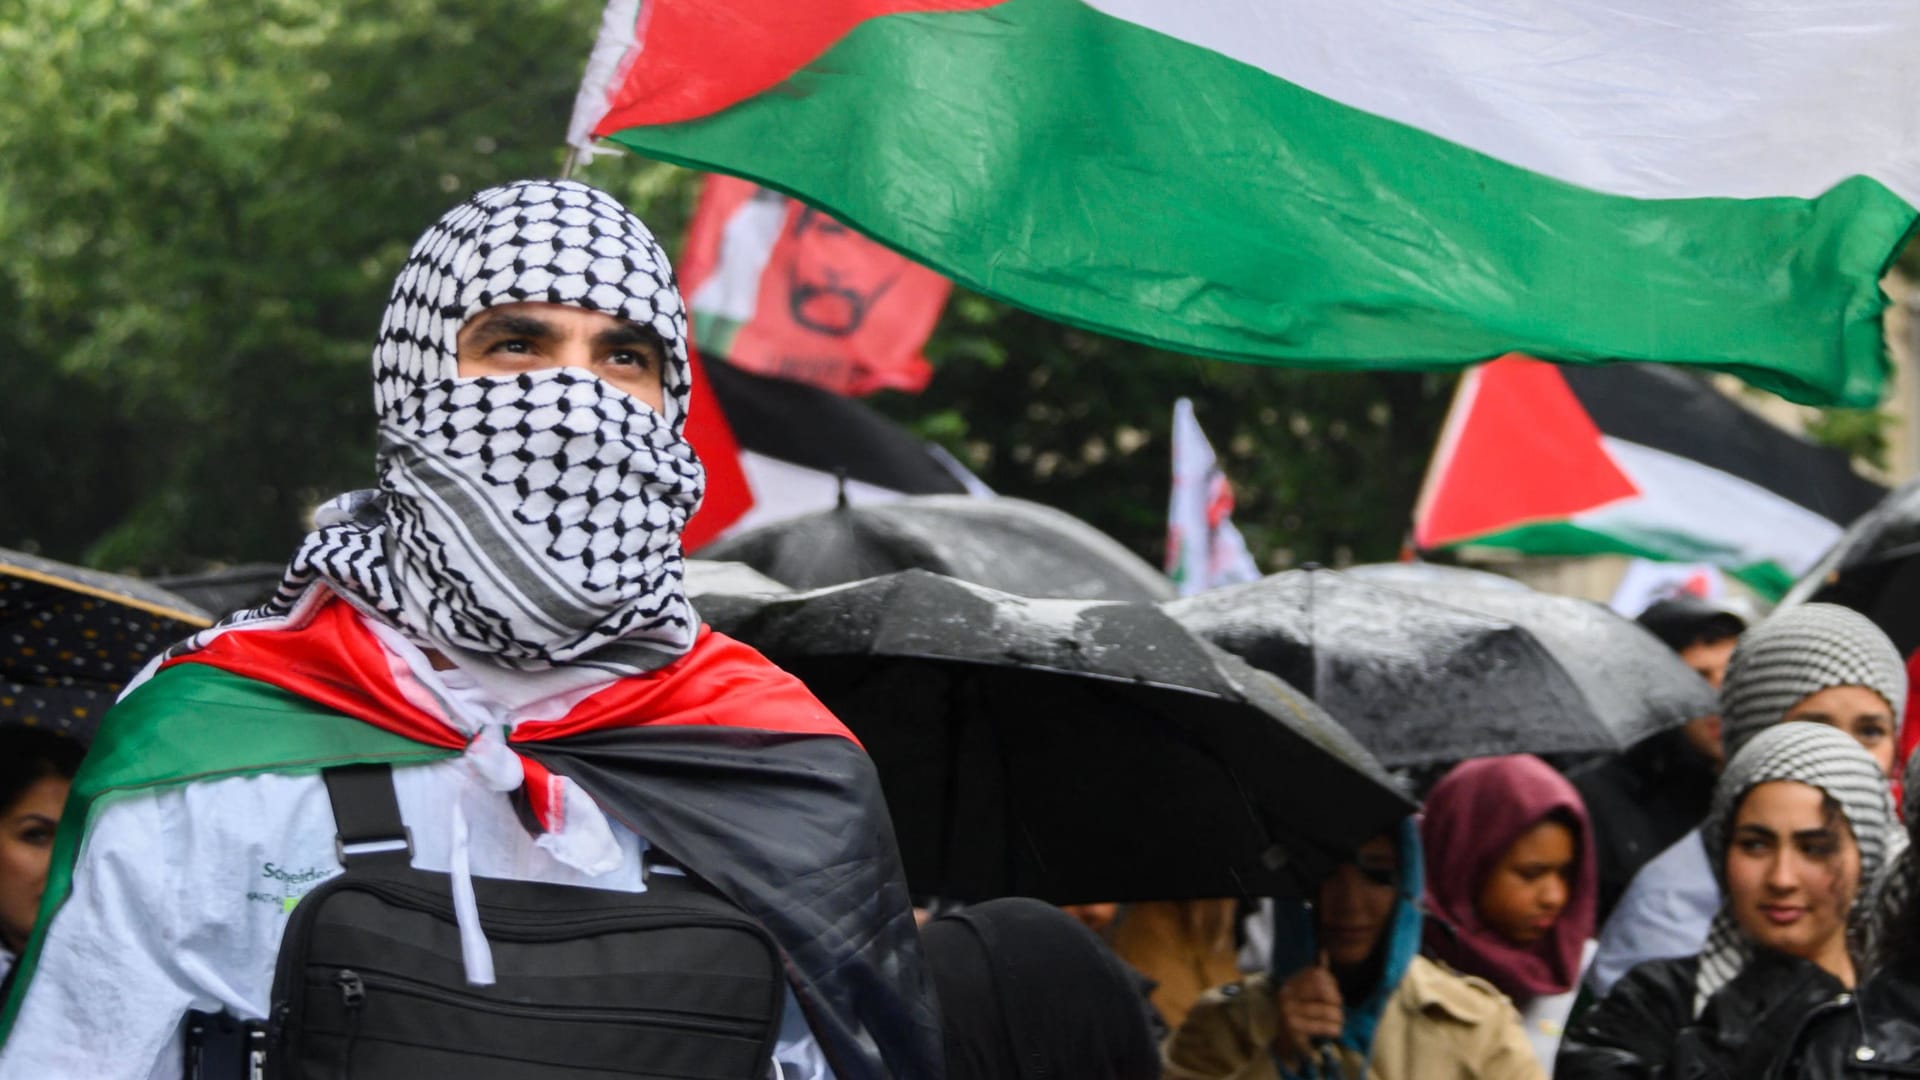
[1647, 582]
[1203, 547]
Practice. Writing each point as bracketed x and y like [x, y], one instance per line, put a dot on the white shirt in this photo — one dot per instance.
[1666, 912]
[1545, 1017]
[180, 897]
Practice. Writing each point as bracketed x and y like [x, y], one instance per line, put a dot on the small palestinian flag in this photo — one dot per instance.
[1330, 185]
[1637, 460]
[796, 449]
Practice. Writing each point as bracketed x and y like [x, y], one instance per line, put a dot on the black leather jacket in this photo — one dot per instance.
[1877, 1035]
[1645, 1029]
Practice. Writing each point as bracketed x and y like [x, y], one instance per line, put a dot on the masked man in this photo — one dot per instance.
[503, 621]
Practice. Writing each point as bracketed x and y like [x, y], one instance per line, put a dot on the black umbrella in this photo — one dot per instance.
[1391, 574]
[1072, 750]
[70, 638]
[230, 588]
[1635, 683]
[1416, 681]
[1007, 544]
[1874, 568]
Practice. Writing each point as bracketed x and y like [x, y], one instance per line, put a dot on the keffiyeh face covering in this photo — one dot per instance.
[533, 519]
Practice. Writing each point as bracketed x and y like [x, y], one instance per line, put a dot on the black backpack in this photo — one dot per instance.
[673, 982]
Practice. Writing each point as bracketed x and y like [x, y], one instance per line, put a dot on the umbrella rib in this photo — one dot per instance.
[1079, 673]
[119, 599]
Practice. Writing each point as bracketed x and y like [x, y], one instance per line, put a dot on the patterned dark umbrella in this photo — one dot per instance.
[70, 638]
[1072, 750]
[1417, 682]
[1007, 544]
[1635, 683]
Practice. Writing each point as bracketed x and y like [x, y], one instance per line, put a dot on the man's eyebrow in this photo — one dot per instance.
[504, 324]
[629, 333]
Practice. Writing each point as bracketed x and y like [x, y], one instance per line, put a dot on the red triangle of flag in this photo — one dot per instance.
[728, 494]
[1518, 449]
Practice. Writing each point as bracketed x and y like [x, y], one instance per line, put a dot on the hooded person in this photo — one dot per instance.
[502, 619]
[1817, 662]
[1348, 994]
[1028, 992]
[1510, 886]
[1799, 832]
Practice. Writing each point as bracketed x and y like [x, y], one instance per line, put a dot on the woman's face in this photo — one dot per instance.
[1793, 870]
[1524, 894]
[1356, 903]
[1856, 710]
[26, 847]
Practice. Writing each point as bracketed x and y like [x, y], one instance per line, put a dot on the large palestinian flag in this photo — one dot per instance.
[1634, 460]
[1328, 182]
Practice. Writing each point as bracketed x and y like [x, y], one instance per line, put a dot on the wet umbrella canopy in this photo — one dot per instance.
[1075, 751]
[1417, 682]
[1634, 683]
[1007, 544]
[1427, 573]
[1874, 568]
[70, 638]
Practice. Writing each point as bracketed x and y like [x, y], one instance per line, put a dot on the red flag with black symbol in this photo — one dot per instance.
[779, 288]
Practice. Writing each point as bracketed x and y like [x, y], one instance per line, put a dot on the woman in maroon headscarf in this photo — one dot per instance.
[1511, 886]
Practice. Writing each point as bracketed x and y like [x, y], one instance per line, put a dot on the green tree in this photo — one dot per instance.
[204, 206]
[1325, 466]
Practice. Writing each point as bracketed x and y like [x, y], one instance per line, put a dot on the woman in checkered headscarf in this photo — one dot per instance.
[1801, 827]
[1817, 662]
[1882, 1032]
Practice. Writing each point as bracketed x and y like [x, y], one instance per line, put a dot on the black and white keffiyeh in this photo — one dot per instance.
[529, 520]
[1817, 755]
[1800, 652]
[1893, 907]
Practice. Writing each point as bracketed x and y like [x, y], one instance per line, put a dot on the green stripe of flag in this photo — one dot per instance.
[1121, 180]
[192, 723]
[1566, 539]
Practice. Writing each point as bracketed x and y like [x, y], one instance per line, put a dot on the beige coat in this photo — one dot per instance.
[1184, 946]
[1438, 1025]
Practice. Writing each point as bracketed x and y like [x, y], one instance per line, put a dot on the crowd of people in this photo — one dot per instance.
[475, 794]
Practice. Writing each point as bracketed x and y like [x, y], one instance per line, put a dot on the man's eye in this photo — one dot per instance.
[517, 346]
[631, 358]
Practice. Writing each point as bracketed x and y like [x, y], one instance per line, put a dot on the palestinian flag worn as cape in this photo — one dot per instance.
[807, 847]
[1633, 460]
[1328, 183]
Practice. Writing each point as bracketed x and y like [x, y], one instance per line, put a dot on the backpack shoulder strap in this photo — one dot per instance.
[366, 816]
